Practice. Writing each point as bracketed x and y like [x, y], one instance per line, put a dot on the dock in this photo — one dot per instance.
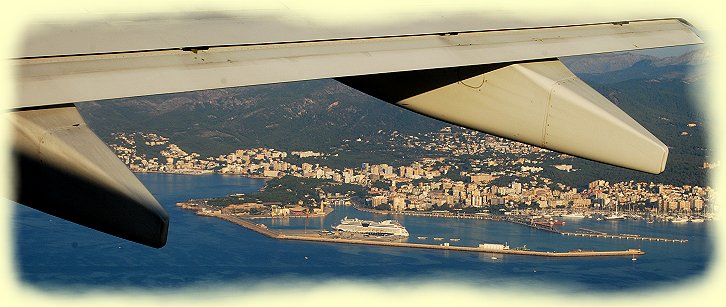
[276, 234]
[594, 233]
[622, 237]
[549, 228]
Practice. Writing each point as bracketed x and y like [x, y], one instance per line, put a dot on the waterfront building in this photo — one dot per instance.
[378, 200]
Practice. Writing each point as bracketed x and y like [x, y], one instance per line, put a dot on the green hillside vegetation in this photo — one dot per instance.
[313, 115]
[289, 190]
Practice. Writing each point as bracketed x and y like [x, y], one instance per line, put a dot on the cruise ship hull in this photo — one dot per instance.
[384, 228]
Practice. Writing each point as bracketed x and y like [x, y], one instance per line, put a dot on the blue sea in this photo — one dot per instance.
[51, 253]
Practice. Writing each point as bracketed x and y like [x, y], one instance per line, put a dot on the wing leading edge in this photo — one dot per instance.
[63, 78]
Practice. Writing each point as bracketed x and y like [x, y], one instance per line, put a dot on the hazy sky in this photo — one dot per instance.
[668, 51]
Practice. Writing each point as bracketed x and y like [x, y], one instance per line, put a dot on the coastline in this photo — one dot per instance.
[314, 215]
[662, 217]
[527, 221]
[207, 172]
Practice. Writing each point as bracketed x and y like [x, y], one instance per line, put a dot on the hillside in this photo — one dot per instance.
[311, 115]
[604, 63]
[617, 67]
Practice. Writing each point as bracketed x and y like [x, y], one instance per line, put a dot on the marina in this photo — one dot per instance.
[392, 233]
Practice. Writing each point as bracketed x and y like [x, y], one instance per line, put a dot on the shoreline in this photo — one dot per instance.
[324, 214]
[640, 215]
[204, 173]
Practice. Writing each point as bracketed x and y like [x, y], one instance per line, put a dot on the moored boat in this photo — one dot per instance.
[615, 217]
[679, 220]
[387, 227]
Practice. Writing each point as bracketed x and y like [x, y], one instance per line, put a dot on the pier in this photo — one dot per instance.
[593, 233]
[621, 236]
[316, 237]
[549, 228]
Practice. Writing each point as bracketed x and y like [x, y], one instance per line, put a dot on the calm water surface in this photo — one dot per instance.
[55, 254]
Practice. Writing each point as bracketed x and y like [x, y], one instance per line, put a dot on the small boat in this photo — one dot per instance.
[422, 238]
[630, 235]
[679, 220]
[454, 239]
[438, 238]
[557, 223]
[615, 217]
[697, 220]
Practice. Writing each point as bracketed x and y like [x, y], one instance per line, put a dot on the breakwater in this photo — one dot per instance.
[316, 237]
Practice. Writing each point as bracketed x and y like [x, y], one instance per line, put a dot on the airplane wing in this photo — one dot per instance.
[499, 78]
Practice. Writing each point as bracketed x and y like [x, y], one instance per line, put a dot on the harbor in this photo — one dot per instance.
[320, 236]
[379, 236]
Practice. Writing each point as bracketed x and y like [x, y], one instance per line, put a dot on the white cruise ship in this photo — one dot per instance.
[387, 227]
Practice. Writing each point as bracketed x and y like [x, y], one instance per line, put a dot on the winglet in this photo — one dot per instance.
[540, 103]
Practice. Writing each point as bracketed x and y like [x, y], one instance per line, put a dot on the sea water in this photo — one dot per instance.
[51, 253]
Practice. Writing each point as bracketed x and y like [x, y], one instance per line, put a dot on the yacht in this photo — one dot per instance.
[615, 217]
[679, 220]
